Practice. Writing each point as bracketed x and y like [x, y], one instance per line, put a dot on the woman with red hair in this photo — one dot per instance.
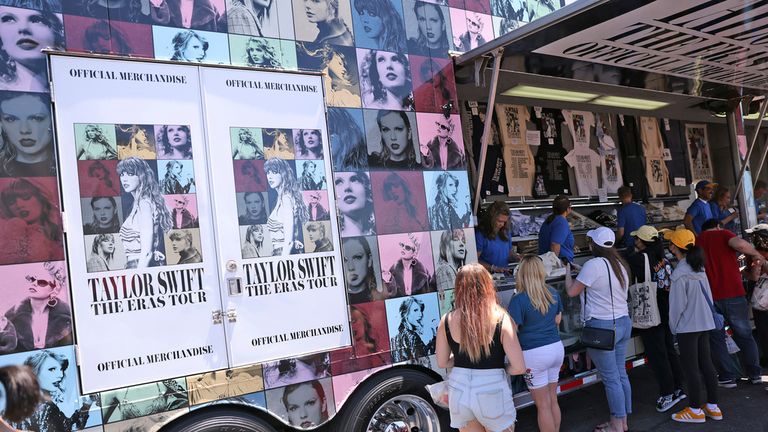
[474, 339]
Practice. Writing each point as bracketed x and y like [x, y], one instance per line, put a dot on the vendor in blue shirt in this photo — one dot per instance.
[722, 208]
[700, 211]
[631, 216]
[555, 234]
[494, 239]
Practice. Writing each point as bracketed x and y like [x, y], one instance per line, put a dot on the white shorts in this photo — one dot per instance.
[482, 395]
[543, 364]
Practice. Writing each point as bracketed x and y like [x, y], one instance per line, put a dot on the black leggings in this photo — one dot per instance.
[696, 359]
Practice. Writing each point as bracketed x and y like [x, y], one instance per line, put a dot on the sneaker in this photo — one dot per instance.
[756, 380]
[678, 395]
[727, 383]
[664, 403]
[714, 414]
[688, 416]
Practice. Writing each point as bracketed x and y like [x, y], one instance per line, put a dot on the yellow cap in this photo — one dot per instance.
[645, 233]
[680, 237]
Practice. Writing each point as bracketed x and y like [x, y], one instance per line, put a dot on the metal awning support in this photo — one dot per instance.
[487, 133]
[756, 173]
[740, 179]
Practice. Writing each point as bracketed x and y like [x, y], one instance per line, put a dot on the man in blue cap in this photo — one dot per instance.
[700, 211]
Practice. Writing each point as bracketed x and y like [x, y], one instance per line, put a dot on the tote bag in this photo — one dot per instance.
[643, 305]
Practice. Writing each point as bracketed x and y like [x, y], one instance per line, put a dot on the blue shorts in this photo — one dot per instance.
[483, 395]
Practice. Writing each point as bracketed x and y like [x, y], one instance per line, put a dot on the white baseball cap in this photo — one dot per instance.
[602, 236]
[757, 228]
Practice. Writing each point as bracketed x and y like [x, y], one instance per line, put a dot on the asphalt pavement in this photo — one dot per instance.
[745, 408]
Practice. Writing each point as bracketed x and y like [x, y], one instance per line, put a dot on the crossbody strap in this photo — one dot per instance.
[711, 306]
[610, 288]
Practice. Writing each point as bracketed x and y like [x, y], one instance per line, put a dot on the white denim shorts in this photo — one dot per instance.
[543, 364]
[483, 395]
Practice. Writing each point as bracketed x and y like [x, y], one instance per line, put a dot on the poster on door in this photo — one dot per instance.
[140, 243]
[698, 152]
[280, 243]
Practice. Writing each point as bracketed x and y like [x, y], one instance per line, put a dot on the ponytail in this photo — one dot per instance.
[694, 256]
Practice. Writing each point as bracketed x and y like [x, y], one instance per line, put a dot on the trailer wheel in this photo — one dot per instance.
[224, 419]
[394, 401]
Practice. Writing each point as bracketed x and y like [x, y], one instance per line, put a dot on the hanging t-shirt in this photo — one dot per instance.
[673, 134]
[494, 178]
[584, 161]
[698, 152]
[634, 169]
[609, 152]
[518, 158]
[580, 124]
[551, 173]
[512, 120]
[653, 150]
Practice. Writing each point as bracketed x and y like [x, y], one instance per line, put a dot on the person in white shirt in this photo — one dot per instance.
[604, 282]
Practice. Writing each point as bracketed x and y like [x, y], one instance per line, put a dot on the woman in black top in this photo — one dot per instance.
[658, 342]
[474, 341]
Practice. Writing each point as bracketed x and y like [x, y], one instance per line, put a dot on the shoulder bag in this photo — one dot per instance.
[599, 338]
[717, 316]
[644, 307]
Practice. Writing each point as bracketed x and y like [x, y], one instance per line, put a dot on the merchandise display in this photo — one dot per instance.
[525, 225]
[609, 152]
[517, 154]
[653, 152]
[551, 173]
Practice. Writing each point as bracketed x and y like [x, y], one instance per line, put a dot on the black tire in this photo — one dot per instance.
[366, 400]
[220, 419]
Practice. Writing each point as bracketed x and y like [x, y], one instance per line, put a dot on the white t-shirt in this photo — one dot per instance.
[584, 161]
[580, 125]
[594, 274]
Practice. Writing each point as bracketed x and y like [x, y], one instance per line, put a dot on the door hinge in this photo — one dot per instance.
[232, 315]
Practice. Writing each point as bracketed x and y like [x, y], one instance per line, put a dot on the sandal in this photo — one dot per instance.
[602, 427]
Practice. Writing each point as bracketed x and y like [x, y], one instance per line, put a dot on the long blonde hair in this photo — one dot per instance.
[475, 302]
[530, 279]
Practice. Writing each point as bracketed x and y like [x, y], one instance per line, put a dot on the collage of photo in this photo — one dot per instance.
[137, 196]
[281, 191]
[398, 173]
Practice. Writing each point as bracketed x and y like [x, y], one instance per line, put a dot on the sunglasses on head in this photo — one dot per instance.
[40, 282]
[532, 256]
[409, 248]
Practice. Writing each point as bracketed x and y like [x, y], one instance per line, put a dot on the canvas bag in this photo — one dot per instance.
[643, 305]
[760, 294]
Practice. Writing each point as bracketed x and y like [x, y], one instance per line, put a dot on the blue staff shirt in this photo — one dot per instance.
[558, 231]
[494, 252]
[701, 211]
[631, 217]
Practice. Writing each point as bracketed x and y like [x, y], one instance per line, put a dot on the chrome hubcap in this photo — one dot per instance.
[404, 413]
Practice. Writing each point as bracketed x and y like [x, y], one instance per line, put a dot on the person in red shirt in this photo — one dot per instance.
[722, 267]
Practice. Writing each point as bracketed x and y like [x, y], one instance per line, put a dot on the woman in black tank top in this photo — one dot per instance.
[474, 339]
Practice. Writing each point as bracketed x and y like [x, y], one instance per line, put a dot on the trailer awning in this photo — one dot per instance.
[697, 57]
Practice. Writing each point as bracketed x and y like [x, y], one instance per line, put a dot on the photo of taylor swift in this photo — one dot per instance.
[31, 222]
[289, 212]
[385, 80]
[27, 135]
[24, 33]
[95, 144]
[143, 227]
